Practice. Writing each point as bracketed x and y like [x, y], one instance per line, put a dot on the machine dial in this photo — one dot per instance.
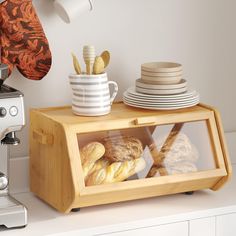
[13, 111]
[3, 181]
[3, 112]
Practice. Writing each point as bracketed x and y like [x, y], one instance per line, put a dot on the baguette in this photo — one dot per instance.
[116, 172]
[89, 154]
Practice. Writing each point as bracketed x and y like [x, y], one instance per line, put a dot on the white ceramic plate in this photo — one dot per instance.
[161, 104]
[128, 96]
[161, 91]
[142, 84]
[160, 107]
[161, 66]
[131, 91]
[165, 103]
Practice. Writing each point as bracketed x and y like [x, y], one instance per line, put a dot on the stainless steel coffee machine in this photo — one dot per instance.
[12, 119]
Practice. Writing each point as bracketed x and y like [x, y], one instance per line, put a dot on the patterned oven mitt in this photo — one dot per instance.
[23, 42]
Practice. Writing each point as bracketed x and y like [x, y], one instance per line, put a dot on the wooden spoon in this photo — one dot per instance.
[98, 66]
[106, 58]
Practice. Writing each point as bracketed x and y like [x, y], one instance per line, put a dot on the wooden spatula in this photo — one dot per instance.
[76, 64]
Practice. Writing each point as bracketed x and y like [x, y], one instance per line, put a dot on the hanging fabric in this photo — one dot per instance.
[23, 41]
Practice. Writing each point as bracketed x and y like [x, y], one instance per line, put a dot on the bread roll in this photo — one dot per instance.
[122, 148]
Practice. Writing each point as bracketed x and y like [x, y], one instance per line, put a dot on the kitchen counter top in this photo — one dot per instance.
[44, 220]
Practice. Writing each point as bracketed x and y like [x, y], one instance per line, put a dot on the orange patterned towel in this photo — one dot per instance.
[23, 42]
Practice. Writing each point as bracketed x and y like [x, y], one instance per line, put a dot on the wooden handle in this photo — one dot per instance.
[42, 138]
[88, 68]
[144, 120]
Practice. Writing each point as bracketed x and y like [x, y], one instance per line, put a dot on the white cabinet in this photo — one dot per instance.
[162, 230]
[226, 225]
[202, 227]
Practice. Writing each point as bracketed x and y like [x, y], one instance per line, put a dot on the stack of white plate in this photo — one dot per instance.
[160, 102]
[161, 87]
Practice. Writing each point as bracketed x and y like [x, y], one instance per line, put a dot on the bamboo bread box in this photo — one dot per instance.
[131, 153]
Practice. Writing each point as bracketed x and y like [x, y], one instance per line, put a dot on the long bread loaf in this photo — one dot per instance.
[116, 172]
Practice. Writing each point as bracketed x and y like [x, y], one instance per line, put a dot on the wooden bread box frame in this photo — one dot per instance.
[56, 174]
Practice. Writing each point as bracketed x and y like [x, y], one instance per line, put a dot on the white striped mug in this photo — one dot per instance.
[91, 94]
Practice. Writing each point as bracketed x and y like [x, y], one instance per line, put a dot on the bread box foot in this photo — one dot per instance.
[75, 210]
[189, 193]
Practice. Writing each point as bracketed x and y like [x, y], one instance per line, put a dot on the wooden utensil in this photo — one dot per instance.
[76, 64]
[89, 57]
[106, 58]
[98, 66]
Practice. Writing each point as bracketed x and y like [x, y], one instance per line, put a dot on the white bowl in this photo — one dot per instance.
[142, 84]
[161, 91]
[161, 67]
[161, 74]
[161, 80]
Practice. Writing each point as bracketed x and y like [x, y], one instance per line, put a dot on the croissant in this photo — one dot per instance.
[115, 172]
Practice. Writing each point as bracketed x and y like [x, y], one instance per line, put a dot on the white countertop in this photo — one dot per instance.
[43, 220]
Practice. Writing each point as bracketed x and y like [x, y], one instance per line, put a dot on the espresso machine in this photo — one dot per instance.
[12, 213]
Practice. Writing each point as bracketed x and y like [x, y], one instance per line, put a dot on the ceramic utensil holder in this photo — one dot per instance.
[91, 94]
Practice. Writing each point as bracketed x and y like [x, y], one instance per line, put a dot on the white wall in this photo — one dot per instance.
[200, 34]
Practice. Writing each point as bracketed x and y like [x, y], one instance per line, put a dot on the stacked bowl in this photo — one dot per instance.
[161, 87]
[161, 78]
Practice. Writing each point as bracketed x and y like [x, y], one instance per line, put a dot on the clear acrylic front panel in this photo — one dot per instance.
[146, 152]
